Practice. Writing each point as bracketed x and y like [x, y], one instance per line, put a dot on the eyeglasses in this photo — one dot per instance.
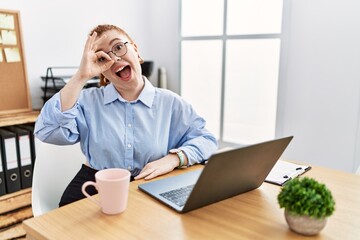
[118, 50]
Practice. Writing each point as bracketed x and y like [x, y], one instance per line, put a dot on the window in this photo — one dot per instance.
[230, 53]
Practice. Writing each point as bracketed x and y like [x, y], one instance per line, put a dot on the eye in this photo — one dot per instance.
[101, 59]
[118, 47]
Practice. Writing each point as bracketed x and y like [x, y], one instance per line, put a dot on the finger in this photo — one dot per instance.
[140, 176]
[147, 168]
[90, 41]
[106, 66]
[144, 173]
[100, 39]
[155, 173]
[101, 54]
[106, 63]
[151, 176]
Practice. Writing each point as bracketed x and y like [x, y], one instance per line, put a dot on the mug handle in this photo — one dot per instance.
[83, 189]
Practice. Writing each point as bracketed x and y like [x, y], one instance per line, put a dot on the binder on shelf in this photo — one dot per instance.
[30, 128]
[2, 179]
[9, 161]
[23, 152]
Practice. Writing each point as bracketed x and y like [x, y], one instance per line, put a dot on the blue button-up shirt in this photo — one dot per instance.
[114, 132]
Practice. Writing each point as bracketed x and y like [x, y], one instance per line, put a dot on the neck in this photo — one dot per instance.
[131, 93]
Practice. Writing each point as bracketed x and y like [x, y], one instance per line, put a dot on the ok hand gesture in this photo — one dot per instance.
[90, 65]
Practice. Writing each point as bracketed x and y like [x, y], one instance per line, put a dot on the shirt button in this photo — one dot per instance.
[129, 125]
[129, 145]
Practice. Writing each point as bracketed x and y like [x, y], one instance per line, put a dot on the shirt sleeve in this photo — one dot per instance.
[194, 139]
[56, 127]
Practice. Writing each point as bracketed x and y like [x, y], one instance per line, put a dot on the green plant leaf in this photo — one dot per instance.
[306, 196]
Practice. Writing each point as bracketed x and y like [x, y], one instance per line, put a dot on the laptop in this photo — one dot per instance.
[225, 175]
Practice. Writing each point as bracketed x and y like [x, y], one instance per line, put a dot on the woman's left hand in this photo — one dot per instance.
[159, 167]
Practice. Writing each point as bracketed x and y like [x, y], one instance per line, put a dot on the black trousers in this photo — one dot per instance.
[73, 191]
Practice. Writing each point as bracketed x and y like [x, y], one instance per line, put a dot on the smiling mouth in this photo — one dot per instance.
[123, 72]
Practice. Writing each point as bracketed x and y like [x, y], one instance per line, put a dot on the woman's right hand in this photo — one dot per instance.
[90, 66]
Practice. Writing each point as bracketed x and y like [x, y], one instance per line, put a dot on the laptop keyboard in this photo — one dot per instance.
[178, 196]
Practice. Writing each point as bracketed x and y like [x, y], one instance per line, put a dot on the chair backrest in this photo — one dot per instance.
[55, 166]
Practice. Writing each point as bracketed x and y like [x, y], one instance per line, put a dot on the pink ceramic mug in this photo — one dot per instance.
[113, 187]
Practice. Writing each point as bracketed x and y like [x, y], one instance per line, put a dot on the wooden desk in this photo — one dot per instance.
[253, 215]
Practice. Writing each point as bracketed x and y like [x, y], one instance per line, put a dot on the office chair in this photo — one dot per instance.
[54, 168]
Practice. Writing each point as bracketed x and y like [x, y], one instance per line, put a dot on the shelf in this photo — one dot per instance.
[18, 118]
[16, 200]
[57, 77]
[14, 209]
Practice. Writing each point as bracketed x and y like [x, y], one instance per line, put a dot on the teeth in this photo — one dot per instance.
[120, 69]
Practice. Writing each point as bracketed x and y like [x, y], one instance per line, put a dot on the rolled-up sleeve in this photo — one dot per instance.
[193, 138]
[199, 144]
[56, 127]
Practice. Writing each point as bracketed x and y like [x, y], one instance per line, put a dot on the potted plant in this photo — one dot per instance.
[307, 205]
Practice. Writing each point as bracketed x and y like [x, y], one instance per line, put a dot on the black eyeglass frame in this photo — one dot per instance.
[112, 49]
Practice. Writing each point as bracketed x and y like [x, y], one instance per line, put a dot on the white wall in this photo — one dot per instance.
[165, 35]
[319, 88]
[319, 92]
[54, 32]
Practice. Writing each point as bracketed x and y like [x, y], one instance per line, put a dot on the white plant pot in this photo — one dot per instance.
[304, 225]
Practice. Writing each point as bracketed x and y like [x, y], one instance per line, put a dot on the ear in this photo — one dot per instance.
[136, 48]
[103, 80]
[141, 60]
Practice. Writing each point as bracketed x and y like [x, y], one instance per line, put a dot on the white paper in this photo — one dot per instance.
[8, 37]
[12, 54]
[284, 171]
[11, 156]
[25, 155]
[7, 21]
[1, 167]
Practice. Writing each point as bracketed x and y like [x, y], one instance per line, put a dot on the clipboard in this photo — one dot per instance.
[284, 171]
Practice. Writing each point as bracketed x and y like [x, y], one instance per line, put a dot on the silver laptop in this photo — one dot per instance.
[225, 175]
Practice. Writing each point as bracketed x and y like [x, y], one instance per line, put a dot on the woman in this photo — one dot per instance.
[126, 123]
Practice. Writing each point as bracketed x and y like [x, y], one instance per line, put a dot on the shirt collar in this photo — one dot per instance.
[146, 96]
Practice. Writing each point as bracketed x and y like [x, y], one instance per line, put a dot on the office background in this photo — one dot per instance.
[319, 79]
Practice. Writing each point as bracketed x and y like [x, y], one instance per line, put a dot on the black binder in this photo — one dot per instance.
[2, 178]
[30, 128]
[23, 150]
[9, 160]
